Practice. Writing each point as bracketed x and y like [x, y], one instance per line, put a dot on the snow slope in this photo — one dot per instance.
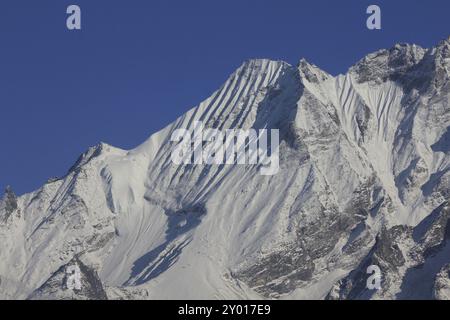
[364, 179]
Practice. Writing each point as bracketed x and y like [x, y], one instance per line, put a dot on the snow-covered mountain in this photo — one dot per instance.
[364, 180]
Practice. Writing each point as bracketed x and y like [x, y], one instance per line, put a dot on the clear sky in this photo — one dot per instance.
[136, 65]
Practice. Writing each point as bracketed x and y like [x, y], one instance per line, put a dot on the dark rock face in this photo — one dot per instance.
[386, 255]
[409, 65]
[56, 286]
[387, 246]
[441, 289]
[9, 204]
[439, 231]
[279, 272]
[427, 247]
[282, 272]
[390, 64]
[91, 286]
[362, 119]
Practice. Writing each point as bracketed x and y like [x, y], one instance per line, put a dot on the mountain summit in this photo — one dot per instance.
[364, 180]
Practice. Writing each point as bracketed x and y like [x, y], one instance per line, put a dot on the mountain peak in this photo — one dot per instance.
[388, 64]
[9, 190]
[444, 48]
[257, 67]
[261, 62]
[445, 41]
[94, 152]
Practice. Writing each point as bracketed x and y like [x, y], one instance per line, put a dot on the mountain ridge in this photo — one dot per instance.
[364, 180]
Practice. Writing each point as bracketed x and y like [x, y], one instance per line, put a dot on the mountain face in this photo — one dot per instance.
[364, 180]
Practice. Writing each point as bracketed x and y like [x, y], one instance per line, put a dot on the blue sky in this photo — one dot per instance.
[138, 64]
